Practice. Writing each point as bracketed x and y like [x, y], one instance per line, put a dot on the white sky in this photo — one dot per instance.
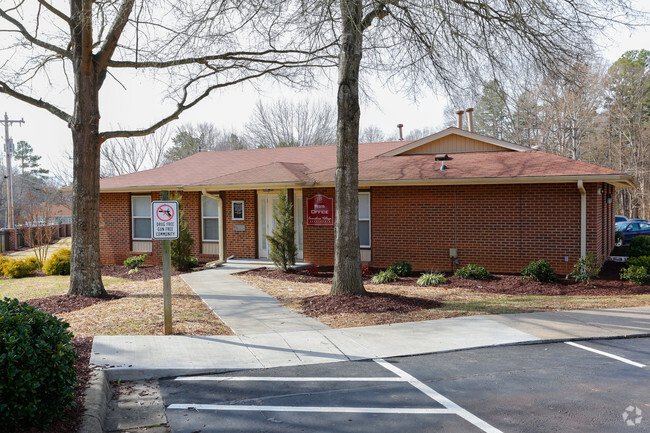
[230, 109]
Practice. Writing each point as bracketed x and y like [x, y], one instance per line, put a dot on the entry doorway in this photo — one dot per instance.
[266, 202]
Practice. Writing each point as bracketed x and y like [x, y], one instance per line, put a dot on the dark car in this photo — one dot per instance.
[619, 218]
[630, 229]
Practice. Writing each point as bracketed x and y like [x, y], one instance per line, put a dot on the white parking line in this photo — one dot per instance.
[328, 409]
[609, 355]
[453, 407]
[289, 379]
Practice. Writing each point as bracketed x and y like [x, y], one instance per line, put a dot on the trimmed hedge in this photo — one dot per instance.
[58, 263]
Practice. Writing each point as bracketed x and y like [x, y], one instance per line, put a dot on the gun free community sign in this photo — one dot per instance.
[164, 220]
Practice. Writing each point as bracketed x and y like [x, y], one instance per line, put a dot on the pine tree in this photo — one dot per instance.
[27, 161]
[181, 254]
[282, 245]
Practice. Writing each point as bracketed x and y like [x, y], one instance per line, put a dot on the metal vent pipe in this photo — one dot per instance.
[459, 122]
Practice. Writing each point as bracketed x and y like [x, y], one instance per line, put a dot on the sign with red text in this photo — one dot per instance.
[320, 210]
[164, 220]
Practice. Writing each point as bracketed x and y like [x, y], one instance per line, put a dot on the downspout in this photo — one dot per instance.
[583, 219]
[222, 246]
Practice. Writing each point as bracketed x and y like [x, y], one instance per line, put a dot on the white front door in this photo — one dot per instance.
[265, 203]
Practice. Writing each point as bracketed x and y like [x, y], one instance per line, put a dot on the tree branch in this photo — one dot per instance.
[110, 44]
[379, 11]
[32, 39]
[4, 88]
[55, 11]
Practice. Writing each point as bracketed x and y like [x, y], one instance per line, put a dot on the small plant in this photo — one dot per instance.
[431, 279]
[37, 365]
[312, 270]
[18, 268]
[539, 270]
[639, 246]
[618, 238]
[473, 272]
[135, 262]
[181, 254]
[58, 263]
[282, 244]
[639, 261]
[585, 269]
[384, 277]
[636, 274]
[401, 269]
[365, 271]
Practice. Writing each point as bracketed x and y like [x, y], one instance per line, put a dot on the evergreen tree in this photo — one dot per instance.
[282, 244]
[181, 254]
[27, 161]
[492, 111]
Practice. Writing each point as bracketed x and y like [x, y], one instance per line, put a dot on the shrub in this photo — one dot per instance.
[135, 262]
[312, 270]
[539, 270]
[618, 238]
[585, 269]
[33, 262]
[639, 246]
[37, 364]
[181, 254]
[17, 268]
[383, 277]
[431, 279]
[636, 274]
[282, 244]
[639, 261]
[473, 272]
[365, 271]
[401, 269]
[58, 263]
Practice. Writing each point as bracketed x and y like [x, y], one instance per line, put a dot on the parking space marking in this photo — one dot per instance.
[289, 379]
[327, 409]
[609, 355]
[436, 396]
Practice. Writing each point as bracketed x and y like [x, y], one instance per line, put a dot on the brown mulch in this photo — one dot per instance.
[316, 306]
[67, 303]
[71, 420]
[147, 272]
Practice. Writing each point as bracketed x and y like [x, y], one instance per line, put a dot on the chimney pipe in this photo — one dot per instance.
[401, 137]
[459, 123]
[470, 119]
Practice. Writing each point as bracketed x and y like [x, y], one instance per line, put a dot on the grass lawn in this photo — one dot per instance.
[138, 310]
[456, 301]
[61, 243]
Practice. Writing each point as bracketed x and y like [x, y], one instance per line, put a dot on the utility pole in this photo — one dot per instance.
[8, 152]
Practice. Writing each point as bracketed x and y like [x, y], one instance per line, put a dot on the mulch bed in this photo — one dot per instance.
[67, 303]
[316, 306]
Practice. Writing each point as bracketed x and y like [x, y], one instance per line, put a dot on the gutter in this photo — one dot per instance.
[222, 249]
[583, 219]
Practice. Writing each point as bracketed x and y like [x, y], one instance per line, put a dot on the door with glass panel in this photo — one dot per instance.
[266, 223]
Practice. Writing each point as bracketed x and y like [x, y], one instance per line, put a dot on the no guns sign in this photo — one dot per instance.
[164, 220]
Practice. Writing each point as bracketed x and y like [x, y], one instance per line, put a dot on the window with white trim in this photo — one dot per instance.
[210, 219]
[141, 217]
[364, 219]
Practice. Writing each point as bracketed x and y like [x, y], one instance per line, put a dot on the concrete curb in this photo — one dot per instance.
[96, 399]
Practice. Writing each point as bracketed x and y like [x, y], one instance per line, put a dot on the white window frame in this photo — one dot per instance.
[366, 219]
[243, 215]
[134, 217]
[203, 217]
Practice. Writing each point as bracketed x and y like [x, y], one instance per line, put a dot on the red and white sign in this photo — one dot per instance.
[320, 210]
[164, 221]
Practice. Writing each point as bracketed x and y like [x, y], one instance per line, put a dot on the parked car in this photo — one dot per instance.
[619, 218]
[638, 220]
[630, 229]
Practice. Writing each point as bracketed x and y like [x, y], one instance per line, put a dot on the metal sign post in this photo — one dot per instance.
[164, 227]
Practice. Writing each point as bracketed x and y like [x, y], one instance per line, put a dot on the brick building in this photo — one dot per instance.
[454, 193]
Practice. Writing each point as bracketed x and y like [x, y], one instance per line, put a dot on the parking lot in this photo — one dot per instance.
[595, 386]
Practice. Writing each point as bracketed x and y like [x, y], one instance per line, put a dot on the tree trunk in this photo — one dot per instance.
[347, 257]
[85, 264]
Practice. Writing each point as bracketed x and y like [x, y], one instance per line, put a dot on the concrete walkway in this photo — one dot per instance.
[270, 335]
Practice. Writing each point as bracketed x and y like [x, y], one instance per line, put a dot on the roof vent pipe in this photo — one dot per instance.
[401, 137]
[459, 123]
[443, 167]
[470, 119]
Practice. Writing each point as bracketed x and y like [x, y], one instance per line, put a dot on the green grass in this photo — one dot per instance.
[41, 287]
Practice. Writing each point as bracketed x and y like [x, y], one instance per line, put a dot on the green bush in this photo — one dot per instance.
[18, 268]
[37, 365]
[639, 261]
[431, 279]
[135, 262]
[639, 246]
[585, 269]
[383, 277]
[282, 244]
[539, 270]
[181, 254]
[58, 263]
[636, 274]
[401, 269]
[618, 238]
[473, 272]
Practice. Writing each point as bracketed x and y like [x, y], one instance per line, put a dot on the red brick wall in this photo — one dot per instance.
[241, 244]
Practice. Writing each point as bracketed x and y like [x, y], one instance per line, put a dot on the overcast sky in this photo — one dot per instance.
[230, 109]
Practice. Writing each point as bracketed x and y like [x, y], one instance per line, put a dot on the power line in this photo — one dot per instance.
[8, 152]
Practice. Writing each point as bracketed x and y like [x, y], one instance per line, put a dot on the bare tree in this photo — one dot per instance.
[192, 46]
[285, 123]
[203, 137]
[131, 154]
[372, 134]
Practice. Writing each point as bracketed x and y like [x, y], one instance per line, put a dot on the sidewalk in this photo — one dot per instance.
[270, 335]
